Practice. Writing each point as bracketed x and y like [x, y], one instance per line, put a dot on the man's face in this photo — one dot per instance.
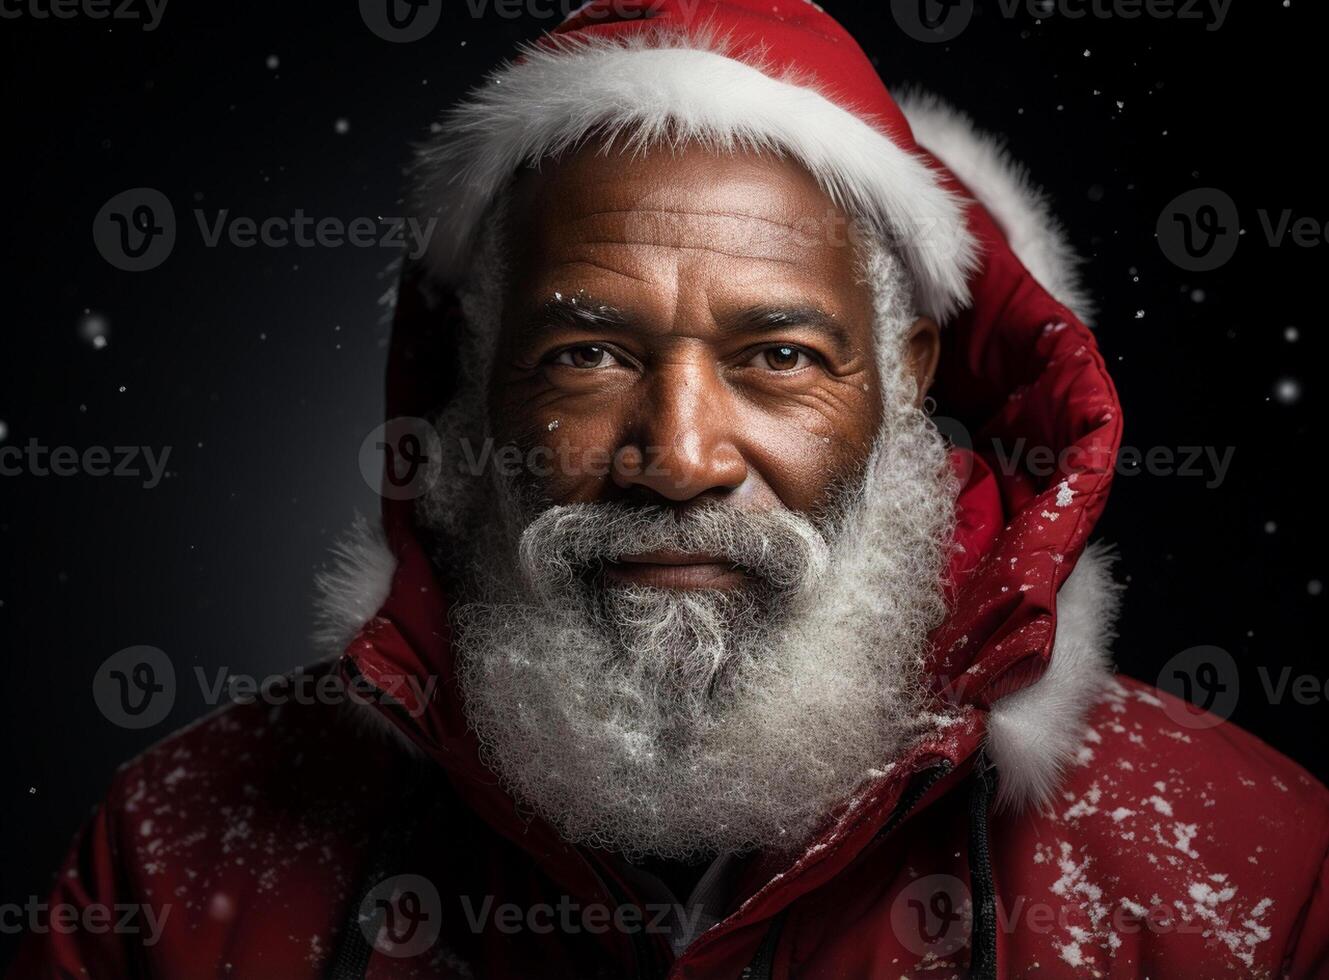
[682, 328]
[698, 617]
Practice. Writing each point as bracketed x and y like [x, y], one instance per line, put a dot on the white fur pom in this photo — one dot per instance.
[1003, 186]
[1033, 733]
[354, 588]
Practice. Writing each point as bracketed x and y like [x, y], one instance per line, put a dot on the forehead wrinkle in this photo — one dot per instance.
[607, 268]
[687, 248]
[724, 231]
[688, 211]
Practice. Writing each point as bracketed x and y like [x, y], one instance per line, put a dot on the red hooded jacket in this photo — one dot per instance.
[1066, 824]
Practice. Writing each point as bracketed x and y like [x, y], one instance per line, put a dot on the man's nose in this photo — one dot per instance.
[683, 445]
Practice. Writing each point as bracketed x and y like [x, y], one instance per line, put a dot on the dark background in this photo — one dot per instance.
[261, 368]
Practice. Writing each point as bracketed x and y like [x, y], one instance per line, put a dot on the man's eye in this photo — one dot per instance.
[586, 356]
[781, 358]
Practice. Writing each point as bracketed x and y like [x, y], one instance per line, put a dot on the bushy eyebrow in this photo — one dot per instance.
[587, 313]
[773, 318]
[579, 311]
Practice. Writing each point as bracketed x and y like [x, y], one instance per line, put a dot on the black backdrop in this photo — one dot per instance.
[261, 367]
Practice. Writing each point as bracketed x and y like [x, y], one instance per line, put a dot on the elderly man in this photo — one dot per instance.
[743, 671]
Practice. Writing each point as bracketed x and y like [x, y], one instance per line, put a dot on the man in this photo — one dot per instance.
[741, 672]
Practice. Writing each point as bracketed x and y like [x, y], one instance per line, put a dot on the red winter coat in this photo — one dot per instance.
[1131, 837]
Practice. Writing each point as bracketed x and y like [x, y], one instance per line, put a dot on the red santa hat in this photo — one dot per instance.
[770, 75]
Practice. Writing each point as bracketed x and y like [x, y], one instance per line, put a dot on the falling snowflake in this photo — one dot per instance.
[1288, 391]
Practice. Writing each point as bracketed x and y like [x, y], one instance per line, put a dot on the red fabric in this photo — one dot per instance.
[255, 824]
[258, 823]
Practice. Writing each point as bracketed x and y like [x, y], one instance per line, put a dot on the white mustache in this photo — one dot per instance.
[783, 549]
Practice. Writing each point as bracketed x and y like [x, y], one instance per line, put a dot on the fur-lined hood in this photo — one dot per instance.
[1041, 669]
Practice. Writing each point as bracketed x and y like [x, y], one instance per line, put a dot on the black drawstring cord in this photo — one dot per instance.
[764, 962]
[983, 936]
[388, 855]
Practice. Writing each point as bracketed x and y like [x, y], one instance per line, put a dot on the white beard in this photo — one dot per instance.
[680, 723]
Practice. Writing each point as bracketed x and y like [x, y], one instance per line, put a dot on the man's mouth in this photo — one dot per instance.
[675, 570]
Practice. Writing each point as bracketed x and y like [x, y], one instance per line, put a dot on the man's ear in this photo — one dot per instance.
[923, 350]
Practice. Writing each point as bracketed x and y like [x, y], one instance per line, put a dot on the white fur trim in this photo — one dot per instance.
[671, 88]
[1003, 186]
[348, 595]
[1033, 734]
[354, 587]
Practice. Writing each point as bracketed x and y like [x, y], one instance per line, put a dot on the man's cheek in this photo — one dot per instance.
[567, 470]
[585, 467]
[804, 458]
[805, 472]
[561, 446]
